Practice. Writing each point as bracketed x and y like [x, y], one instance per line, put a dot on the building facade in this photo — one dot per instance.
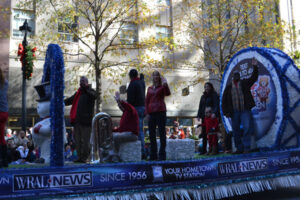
[180, 76]
[182, 108]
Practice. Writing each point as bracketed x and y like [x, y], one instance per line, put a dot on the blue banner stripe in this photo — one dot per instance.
[40, 182]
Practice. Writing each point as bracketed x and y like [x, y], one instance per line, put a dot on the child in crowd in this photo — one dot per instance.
[168, 132]
[23, 152]
[188, 132]
[211, 125]
[68, 153]
[174, 133]
[181, 132]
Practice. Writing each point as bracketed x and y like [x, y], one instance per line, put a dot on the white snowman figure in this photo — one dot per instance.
[41, 133]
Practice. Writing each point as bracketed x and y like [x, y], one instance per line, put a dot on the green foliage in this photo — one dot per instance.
[147, 140]
[194, 137]
[28, 62]
[296, 57]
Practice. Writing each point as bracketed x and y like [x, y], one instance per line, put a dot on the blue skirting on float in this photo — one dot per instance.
[147, 176]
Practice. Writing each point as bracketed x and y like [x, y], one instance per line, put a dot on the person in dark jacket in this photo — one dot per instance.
[210, 99]
[237, 103]
[136, 98]
[81, 116]
[155, 107]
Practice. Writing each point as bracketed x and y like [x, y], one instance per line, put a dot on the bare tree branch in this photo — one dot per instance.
[70, 28]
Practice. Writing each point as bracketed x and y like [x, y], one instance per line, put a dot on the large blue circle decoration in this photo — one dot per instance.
[276, 94]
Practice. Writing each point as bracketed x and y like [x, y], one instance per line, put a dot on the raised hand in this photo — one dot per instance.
[117, 96]
[254, 61]
[163, 80]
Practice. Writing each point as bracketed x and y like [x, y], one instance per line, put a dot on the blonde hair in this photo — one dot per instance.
[159, 77]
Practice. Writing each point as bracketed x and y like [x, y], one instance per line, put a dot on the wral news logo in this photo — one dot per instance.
[242, 166]
[45, 181]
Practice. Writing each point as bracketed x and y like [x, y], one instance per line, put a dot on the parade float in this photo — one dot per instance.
[276, 164]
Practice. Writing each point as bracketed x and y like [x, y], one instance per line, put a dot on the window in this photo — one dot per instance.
[65, 33]
[128, 33]
[164, 2]
[186, 121]
[228, 14]
[164, 25]
[163, 32]
[16, 122]
[164, 12]
[163, 35]
[19, 16]
[170, 121]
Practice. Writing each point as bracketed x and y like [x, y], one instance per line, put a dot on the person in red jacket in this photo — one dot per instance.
[128, 130]
[211, 124]
[181, 133]
[155, 109]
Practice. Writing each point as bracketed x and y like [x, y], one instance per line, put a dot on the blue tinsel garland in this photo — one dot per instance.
[54, 72]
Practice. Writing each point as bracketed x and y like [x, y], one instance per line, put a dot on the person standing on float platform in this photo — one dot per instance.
[136, 98]
[81, 115]
[156, 109]
[237, 103]
[209, 98]
[3, 119]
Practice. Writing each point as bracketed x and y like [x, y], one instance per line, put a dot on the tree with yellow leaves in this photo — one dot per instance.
[103, 29]
[220, 28]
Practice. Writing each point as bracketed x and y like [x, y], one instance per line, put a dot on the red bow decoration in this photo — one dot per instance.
[33, 51]
[21, 52]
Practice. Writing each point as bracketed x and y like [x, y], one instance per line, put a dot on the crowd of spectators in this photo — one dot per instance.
[20, 147]
[178, 132]
[22, 150]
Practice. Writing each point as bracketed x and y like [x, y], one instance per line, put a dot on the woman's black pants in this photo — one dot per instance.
[157, 119]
